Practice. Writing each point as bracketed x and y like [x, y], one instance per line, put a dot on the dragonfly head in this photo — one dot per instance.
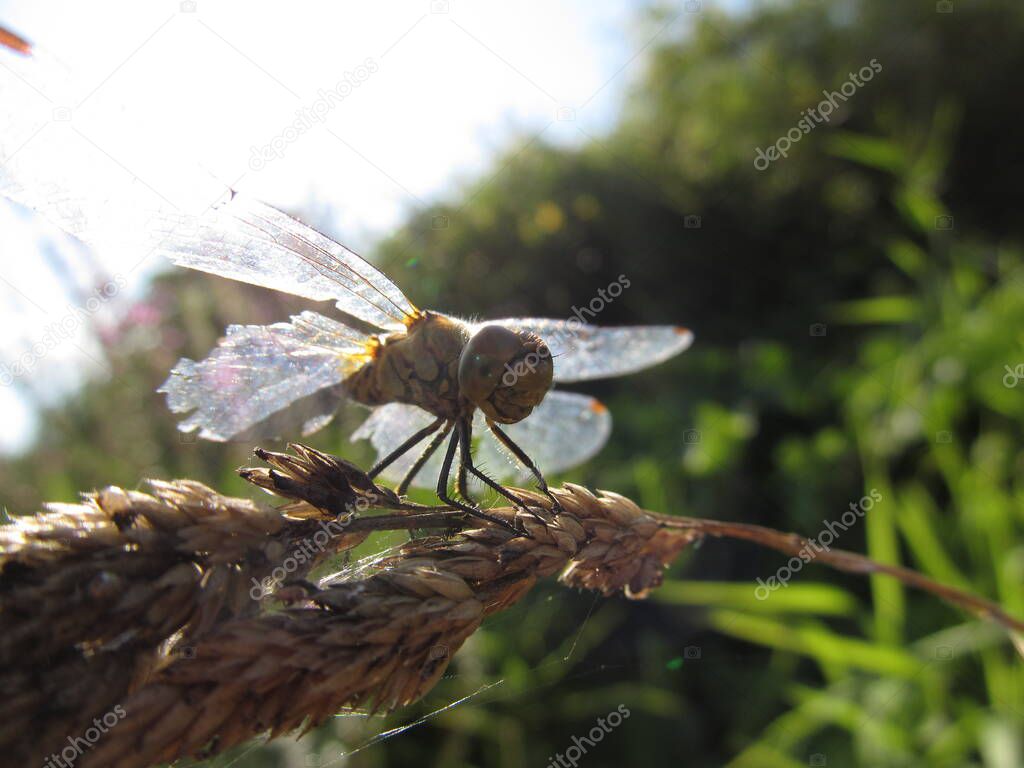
[505, 373]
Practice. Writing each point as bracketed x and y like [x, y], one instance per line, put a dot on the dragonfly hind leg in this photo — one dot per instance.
[424, 457]
[404, 448]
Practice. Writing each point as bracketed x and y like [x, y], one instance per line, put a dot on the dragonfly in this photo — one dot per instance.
[431, 379]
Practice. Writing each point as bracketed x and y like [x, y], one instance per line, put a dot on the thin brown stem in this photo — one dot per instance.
[441, 518]
[850, 562]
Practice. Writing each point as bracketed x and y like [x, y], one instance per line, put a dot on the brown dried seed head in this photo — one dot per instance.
[365, 639]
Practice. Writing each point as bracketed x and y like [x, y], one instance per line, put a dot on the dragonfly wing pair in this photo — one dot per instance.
[582, 351]
[255, 372]
[249, 241]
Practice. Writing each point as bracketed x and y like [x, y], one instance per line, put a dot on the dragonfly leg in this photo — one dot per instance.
[404, 448]
[462, 481]
[442, 490]
[525, 460]
[465, 429]
[423, 459]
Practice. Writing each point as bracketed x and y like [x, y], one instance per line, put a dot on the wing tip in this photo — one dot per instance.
[15, 42]
[684, 340]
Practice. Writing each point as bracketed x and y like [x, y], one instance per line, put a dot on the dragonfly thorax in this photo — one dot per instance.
[418, 366]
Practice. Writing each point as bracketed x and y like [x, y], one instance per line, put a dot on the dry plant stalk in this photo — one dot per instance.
[374, 637]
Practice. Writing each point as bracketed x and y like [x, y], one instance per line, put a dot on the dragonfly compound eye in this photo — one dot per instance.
[504, 373]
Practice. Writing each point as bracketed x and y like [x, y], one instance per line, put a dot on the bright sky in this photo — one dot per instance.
[136, 105]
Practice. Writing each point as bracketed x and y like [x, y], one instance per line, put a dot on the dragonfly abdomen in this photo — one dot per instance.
[418, 367]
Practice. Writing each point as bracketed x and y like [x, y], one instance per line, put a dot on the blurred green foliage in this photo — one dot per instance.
[856, 306]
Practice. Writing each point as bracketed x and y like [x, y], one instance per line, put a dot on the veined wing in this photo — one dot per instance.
[70, 164]
[582, 351]
[252, 242]
[565, 430]
[257, 370]
[387, 427]
[56, 161]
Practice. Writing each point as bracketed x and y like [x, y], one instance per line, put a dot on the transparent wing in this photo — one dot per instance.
[387, 427]
[583, 351]
[258, 370]
[252, 242]
[77, 159]
[51, 162]
[565, 430]
[304, 416]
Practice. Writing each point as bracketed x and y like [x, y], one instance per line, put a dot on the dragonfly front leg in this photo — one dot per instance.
[443, 495]
[462, 480]
[465, 431]
[526, 461]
